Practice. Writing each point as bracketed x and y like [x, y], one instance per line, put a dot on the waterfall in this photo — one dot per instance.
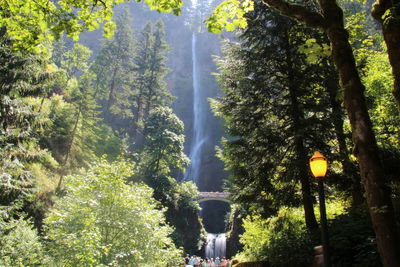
[216, 246]
[199, 111]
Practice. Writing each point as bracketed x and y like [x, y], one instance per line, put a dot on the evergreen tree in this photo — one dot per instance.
[271, 113]
[328, 16]
[163, 150]
[21, 78]
[131, 80]
[149, 88]
[114, 69]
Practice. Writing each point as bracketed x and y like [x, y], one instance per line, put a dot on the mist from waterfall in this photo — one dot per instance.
[200, 106]
[216, 246]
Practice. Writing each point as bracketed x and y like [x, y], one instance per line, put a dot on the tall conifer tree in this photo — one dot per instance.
[20, 79]
[269, 106]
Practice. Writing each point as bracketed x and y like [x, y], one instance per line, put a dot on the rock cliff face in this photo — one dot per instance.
[189, 231]
[233, 245]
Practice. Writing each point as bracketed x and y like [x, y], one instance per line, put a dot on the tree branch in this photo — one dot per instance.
[298, 12]
[101, 2]
[379, 8]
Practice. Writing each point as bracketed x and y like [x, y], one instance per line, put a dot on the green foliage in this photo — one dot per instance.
[276, 111]
[59, 126]
[163, 150]
[353, 240]
[102, 220]
[113, 67]
[229, 15]
[314, 50]
[30, 22]
[130, 78]
[19, 243]
[183, 214]
[21, 80]
[173, 6]
[75, 61]
[149, 89]
[281, 240]
[73, 129]
[375, 69]
[384, 111]
[162, 156]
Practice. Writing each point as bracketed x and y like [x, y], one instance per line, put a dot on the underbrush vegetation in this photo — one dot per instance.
[283, 240]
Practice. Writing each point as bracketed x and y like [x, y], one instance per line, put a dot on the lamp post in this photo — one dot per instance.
[319, 167]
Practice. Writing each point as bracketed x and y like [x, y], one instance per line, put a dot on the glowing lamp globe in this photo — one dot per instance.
[318, 165]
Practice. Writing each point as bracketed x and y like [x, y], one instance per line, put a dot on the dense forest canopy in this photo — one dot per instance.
[92, 152]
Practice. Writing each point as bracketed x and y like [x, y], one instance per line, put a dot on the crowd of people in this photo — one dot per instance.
[194, 261]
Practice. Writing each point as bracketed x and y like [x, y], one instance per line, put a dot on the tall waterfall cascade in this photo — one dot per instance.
[216, 246]
[216, 243]
[200, 107]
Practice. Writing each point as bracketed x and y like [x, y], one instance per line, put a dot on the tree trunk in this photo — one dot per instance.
[71, 142]
[137, 116]
[391, 34]
[111, 96]
[365, 147]
[297, 117]
[140, 138]
[349, 169]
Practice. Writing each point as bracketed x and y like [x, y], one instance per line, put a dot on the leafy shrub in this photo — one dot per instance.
[281, 240]
[353, 240]
[19, 244]
[102, 220]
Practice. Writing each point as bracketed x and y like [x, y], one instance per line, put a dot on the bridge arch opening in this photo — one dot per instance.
[214, 214]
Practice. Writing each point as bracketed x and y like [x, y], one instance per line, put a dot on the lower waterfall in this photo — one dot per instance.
[216, 246]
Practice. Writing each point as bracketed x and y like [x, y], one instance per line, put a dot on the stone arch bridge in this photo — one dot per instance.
[218, 196]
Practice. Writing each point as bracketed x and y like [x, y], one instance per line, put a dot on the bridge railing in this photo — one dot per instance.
[214, 194]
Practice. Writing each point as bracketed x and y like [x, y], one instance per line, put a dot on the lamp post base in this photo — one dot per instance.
[324, 224]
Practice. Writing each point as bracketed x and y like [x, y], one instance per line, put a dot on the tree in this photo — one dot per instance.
[163, 150]
[20, 243]
[130, 78]
[277, 114]
[329, 18]
[31, 22]
[162, 156]
[149, 88]
[114, 69]
[104, 220]
[21, 78]
[74, 132]
[75, 61]
[387, 14]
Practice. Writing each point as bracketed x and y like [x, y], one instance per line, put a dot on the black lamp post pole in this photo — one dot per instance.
[324, 223]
